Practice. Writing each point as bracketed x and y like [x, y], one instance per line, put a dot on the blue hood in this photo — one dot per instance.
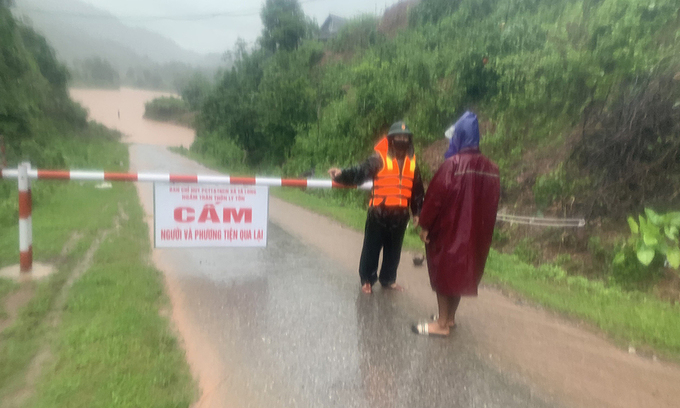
[465, 134]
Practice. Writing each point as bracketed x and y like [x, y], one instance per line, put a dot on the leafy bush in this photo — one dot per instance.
[358, 34]
[654, 236]
[526, 252]
[224, 149]
[653, 243]
[556, 187]
[165, 108]
[630, 149]
[195, 90]
[536, 69]
[628, 272]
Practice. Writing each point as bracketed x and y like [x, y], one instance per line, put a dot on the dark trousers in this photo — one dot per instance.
[383, 232]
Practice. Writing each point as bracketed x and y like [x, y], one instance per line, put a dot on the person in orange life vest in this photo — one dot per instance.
[397, 187]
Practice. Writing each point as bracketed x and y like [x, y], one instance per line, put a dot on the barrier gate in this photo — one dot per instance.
[24, 174]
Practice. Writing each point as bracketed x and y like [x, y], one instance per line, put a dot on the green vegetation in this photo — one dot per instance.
[112, 340]
[35, 107]
[577, 101]
[117, 299]
[169, 109]
[110, 345]
[578, 104]
[653, 242]
[51, 209]
[656, 235]
[195, 90]
[95, 72]
[629, 317]
[6, 286]
[566, 91]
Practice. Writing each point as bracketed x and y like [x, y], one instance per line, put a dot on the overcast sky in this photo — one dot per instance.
[189, 23]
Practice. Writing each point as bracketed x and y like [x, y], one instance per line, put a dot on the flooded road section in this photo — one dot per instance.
[287, 326]
[123, 109]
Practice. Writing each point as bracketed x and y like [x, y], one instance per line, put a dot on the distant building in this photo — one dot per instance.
[331, 27]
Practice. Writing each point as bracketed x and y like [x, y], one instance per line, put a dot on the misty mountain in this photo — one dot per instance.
[78, 31]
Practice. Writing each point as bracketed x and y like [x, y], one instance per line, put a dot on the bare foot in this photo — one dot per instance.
[366, 288]
[395, 286]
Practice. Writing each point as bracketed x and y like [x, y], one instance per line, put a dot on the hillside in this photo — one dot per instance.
[76, 35]
[578, 103]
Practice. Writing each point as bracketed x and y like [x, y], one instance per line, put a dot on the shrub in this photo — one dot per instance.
[165, 108]
[653, 243]
[526, 252]
[222, 148]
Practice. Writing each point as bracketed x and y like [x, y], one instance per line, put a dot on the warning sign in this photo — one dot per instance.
[201, 215]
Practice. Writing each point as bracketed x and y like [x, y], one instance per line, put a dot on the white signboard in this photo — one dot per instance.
[202, 215]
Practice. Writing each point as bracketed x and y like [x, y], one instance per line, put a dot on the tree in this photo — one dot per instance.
[97, 71]
[286, 101]
[195, 90]
[284, 23]
[55, 72]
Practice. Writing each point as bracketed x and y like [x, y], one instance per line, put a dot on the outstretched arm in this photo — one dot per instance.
[356, 175]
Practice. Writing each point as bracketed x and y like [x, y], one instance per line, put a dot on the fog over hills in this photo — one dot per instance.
[78, 31]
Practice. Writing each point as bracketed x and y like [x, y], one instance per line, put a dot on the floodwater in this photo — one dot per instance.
[123, 109]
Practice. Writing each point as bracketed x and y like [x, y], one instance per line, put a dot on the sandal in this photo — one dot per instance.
[435, 317]
[423, 330]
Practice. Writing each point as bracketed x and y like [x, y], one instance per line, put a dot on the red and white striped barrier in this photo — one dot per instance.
[177, 178]
[24, 174]
[25, 223]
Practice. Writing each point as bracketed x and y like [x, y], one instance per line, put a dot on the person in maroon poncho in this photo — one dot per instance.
[457, 220]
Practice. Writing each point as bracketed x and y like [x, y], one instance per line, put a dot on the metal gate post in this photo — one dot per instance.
[25, 223]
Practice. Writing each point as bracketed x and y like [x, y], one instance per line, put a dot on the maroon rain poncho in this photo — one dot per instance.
[460, 213]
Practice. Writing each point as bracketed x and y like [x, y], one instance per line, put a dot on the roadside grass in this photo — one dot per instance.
[71, 208]
[629, 318]
[6, 286]
[113, 349]
[143, 341]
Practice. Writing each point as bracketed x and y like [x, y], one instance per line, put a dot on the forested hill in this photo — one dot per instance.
[38, 120]
[578, 98]
[36, 112]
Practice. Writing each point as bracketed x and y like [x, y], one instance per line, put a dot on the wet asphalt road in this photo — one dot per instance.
[291, 329]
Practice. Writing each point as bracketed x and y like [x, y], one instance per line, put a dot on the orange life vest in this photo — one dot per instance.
[392, 186]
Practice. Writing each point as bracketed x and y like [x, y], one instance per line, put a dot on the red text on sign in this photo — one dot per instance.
[210, 214]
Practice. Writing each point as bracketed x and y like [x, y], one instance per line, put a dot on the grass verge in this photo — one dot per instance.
[112, 348]
[628, 317]
[6, 286]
